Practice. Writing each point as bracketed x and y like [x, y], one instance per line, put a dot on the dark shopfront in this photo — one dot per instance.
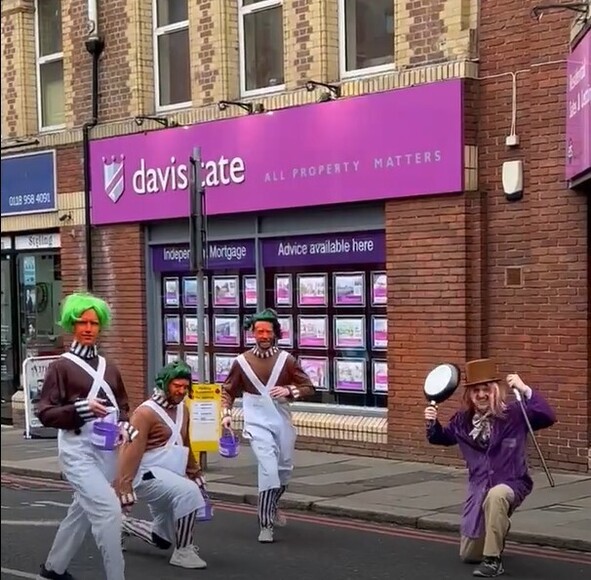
[328, 289]
[31, 295]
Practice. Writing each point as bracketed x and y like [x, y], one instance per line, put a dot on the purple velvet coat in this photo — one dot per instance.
[504, 460]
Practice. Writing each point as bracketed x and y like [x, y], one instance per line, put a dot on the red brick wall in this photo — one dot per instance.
[540, 329]
[9, 74]
[447, 256]
[427, 309]
[206, 74]
[426, 31]
[70, 170]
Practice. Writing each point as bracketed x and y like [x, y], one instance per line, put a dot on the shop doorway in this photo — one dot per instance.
[31, 298]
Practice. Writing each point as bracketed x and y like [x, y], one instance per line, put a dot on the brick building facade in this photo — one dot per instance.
[469, 273]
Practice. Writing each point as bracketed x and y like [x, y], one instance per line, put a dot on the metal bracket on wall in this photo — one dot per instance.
[582, 8]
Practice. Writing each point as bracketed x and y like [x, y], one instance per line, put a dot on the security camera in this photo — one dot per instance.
[222, 106]
[310, 86]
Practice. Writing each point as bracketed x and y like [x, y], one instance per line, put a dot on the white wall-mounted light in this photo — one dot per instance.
[513, 179]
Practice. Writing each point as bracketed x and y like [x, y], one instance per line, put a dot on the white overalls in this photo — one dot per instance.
[90, 471]
[170, 494]
[268, 425]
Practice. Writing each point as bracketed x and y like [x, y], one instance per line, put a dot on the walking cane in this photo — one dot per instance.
[531, 432]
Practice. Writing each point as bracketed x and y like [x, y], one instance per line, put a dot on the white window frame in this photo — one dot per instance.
[39, 62]
[242, 12]
[157, 32]
[361, 72]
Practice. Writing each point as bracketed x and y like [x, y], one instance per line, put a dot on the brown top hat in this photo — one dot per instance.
[481, 371]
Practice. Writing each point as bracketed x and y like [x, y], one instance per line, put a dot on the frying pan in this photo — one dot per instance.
[441, 383]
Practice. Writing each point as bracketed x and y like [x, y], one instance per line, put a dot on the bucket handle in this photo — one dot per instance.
[229, 430]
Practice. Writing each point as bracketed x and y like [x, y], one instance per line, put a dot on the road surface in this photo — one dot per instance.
[310, 548]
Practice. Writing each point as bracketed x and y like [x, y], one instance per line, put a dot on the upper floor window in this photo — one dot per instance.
[261, 46]
[172, 68]
[366, 36]
[50, 64]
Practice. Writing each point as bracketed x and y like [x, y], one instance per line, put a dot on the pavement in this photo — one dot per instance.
[414, 495]
[311, 547]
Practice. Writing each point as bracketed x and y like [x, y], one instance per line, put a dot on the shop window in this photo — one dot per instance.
[50, 64]
[333, 320]
[261, 46]
[230, 296]
[40, 292]
[172, 59]
[366, 36]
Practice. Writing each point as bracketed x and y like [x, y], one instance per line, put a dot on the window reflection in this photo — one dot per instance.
[40, 291]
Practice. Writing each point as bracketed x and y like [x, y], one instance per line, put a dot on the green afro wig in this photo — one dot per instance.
[77, 304]
[174, 370]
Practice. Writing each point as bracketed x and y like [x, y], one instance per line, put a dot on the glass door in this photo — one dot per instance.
[40, 292]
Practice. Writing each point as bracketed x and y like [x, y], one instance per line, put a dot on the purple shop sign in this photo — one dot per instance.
[220, 255]
[392, 144]
[320, 250]
[578, 102]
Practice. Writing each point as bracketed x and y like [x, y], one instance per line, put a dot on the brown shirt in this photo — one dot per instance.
[65, 382]
[292, 375]
[153, 433]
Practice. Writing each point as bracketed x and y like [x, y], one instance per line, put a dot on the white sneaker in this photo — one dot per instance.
[187, 558]
[266, 535]
[280, 520]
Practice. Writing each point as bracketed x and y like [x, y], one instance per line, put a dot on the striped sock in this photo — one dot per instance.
[184, 530]
[268, 506]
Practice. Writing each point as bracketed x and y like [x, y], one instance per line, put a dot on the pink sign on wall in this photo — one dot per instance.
[393, 144]
[578, 115]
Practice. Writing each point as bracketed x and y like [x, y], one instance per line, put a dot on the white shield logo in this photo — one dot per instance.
[114, 177]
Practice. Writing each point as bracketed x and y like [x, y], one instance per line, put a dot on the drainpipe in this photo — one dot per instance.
[94, 45]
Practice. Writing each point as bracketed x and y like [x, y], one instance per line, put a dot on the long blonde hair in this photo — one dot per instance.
[496, 400]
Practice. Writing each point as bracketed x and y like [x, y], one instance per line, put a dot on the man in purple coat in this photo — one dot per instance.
[492, 436]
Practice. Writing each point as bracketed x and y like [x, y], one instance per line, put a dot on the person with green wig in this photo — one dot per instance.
[159, 467]
[267, 378]
[79, 390]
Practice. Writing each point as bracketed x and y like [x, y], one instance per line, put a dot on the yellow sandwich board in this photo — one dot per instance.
[205, 406]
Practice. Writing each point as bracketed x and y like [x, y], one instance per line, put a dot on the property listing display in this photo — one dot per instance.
[228, 299]
[333, 318]
[334, 321]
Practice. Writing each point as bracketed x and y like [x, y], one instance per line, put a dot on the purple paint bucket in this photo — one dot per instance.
[229, 445]
[105, 435]
[206, 514]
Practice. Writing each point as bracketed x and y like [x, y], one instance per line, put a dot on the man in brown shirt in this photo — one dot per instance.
[267, 378]
[80, 388]
[159, 468]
